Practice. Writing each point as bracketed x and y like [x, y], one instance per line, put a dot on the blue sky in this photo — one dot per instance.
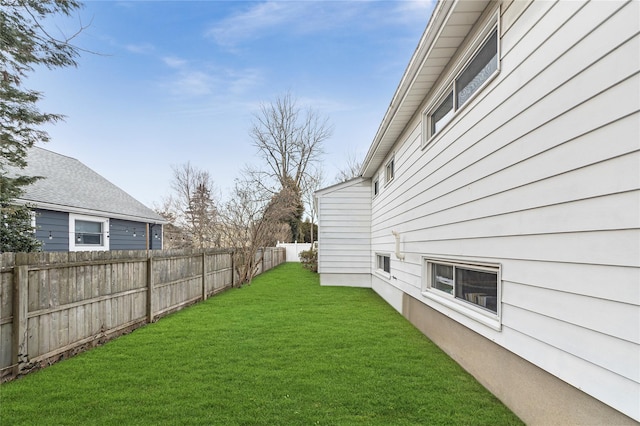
[178, 81]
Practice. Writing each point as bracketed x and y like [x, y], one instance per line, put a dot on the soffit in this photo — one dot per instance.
[448, 27]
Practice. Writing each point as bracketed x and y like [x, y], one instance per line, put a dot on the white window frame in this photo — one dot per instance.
[73, 246]
[379, 270]
[448, 117]
[492, 24]
[376, 186]
[34, 225]
[464, 307]
[389, 170]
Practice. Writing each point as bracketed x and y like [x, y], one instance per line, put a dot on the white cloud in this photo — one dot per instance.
[243, 81]
[308, 17]
[140, 48]
[288, 16]
[189, 81]
[174, 62]
[192, 83]
[246, 24]
[417, 8]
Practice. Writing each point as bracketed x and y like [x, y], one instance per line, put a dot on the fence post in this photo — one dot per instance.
[150, 313]
[204, 275]
[19, 349]
[233, 268]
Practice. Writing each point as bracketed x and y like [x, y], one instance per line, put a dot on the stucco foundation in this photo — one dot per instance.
[534, 395]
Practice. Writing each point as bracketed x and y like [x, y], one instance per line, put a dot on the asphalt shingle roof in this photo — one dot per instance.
[69, 185]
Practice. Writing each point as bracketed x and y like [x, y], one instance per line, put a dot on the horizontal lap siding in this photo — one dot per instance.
[52, 229]
[129, 235]
[540, 174]
[344, 229]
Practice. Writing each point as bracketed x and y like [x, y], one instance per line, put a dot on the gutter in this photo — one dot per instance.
[436, 22]
[80, 210]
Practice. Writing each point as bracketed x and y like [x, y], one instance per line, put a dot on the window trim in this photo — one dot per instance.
[389, 176]
[88, 247]
[436, 106]
[484, 34]
[466, 308]
[381, 271]
[376, 186]
[34, 223]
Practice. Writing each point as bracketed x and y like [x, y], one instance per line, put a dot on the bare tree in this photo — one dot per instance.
[290, 142]
[313, 183]
[253, 219]
[174, 237]
[192, 208]
[351, 168]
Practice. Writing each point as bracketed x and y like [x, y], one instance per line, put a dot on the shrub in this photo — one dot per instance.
[309, 259]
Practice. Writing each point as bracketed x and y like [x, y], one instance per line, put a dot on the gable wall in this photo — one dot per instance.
[344, 234]
[539, 173]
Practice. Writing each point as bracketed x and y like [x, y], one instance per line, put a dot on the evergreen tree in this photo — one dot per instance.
[25, 44]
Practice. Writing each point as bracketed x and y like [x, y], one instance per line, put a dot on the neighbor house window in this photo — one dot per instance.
[482, 66]
[88, 233]
[389, 171]
[383, 263]
[376, 187]
[475, 285]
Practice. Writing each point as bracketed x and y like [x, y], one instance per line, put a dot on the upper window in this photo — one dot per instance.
[389, 171]
[482, 66]
[442, 114]
[475, 285]
[376, 186]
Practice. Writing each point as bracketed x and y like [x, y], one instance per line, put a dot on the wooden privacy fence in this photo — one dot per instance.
[53, 304]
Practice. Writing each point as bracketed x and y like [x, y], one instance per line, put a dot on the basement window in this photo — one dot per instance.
[383, 262]
[470, 288]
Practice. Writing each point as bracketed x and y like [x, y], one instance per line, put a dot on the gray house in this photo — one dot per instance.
[76, 209]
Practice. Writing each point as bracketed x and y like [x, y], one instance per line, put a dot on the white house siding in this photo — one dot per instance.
[538, 173]
[344, 234]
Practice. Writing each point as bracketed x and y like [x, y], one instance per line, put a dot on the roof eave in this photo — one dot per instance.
[90, 212]
[427, 63]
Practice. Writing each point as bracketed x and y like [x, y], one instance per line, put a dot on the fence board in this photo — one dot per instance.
[76, 299]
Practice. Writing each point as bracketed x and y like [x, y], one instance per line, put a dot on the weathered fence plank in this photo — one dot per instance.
[20, 310]
[52, 304]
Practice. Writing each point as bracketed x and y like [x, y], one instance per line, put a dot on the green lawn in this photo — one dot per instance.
[282, 351]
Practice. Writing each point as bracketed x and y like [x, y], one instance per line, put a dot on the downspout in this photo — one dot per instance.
[398, 254]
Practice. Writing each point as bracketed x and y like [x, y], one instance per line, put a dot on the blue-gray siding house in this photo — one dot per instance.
[76, 209]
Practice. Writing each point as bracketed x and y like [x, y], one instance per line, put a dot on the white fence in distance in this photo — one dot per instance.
[294, 249]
